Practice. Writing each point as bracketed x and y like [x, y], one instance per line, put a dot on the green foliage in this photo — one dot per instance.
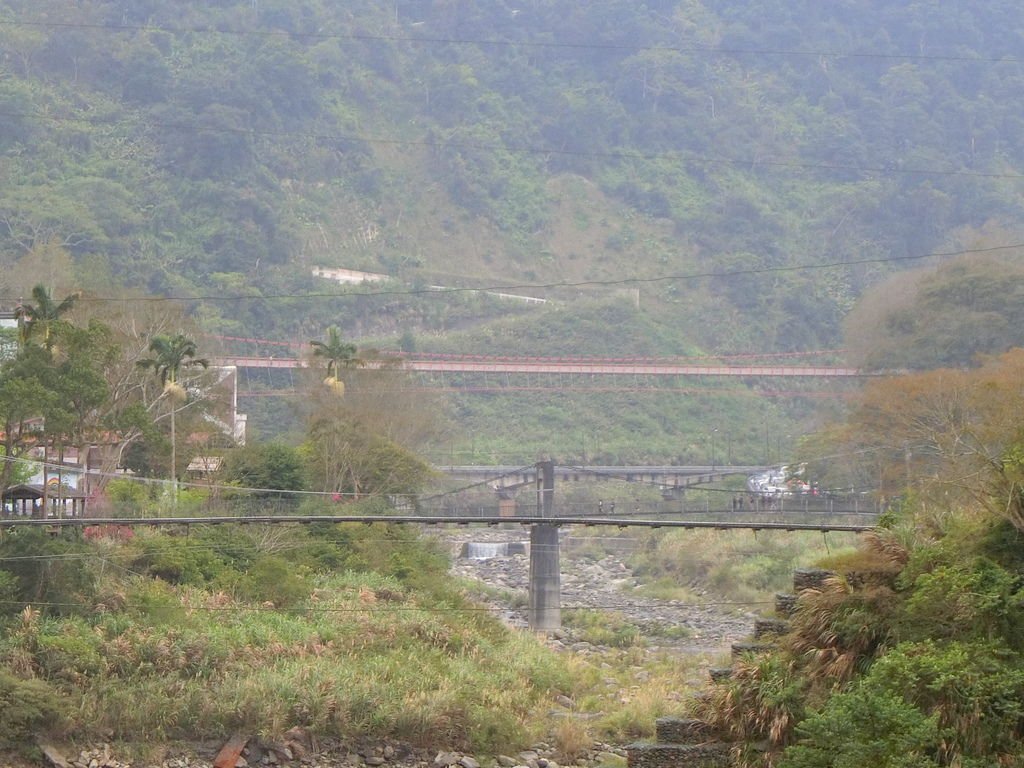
[946, 317]
[973, 598]
[10, 590]
[129, 492]
[53, 572]
[273, 579]
[974, 688]
[269, 466]
[391, 551]
[155, 602]
[220, 155]
[345, 457]
[762, 701]
[1004, 543]
[602, 628]
[860, 728]
[368, 658]
[907, 657]
[215, 163]
[71, 656]
[26, 708]
[178, 559]
[927, 703]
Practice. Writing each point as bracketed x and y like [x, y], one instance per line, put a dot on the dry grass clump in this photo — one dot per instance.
[837, 630]
[763, 700]
[572, 740]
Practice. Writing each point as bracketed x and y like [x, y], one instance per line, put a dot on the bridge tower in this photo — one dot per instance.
[545, 611]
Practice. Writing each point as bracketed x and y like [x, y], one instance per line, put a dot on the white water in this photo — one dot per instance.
[484, 550]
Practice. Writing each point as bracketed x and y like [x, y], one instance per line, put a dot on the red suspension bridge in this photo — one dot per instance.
[490, 373]
[571, 365]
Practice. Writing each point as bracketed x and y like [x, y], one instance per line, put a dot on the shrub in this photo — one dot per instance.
[977, 598]
[865, 728]
[273, 467]
[839, 629]
[178, 560]
[389, 550]
[128, 496]
[10, 592]
[764, 699]
[70, 656]
[51, 571]
[272, 579]
[975, 689]
[26, 707]
[155, 601]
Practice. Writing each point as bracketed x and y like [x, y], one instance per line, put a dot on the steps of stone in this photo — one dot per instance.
[714, 754]
[681, 730]
[719, 674]
[810, 578]
[740, 649]
[785, 604]
[767, 628]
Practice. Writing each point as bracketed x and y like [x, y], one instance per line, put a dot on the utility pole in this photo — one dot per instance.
[545, 573]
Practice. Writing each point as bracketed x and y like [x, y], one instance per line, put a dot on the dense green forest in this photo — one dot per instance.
[220, 150]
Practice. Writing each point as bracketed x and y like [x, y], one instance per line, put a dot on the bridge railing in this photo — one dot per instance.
[812, 514]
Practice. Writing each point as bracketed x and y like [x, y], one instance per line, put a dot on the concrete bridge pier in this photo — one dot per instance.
[545, 611]
[545, 579]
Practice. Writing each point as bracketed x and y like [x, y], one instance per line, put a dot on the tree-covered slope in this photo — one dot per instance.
[714, 148]
[218, 145]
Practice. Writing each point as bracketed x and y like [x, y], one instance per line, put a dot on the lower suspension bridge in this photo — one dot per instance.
[544, 521]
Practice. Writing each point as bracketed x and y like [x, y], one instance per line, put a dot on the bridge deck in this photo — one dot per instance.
[623, 522]
[555, 366]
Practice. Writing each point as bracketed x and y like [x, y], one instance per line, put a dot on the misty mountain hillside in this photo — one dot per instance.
[721, 177]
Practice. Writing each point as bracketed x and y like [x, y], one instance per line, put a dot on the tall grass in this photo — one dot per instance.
[400, 652]
[350, 664]
[744, 566]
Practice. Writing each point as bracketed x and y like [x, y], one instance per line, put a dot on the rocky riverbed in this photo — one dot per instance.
[601, 583]
[298, 749]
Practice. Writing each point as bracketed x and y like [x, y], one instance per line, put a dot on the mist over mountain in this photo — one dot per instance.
[754, 165]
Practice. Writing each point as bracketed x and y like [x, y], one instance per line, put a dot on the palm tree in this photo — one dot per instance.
[42, 316]
[338, 354]
[170, 355]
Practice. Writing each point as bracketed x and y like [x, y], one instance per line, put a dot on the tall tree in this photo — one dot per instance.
[41, 318]
[952, 436]
[339, 355]
[26, 394]
[171, 354]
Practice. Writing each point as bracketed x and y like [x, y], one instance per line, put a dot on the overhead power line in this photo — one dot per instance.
[695, 50]
[681, 277]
